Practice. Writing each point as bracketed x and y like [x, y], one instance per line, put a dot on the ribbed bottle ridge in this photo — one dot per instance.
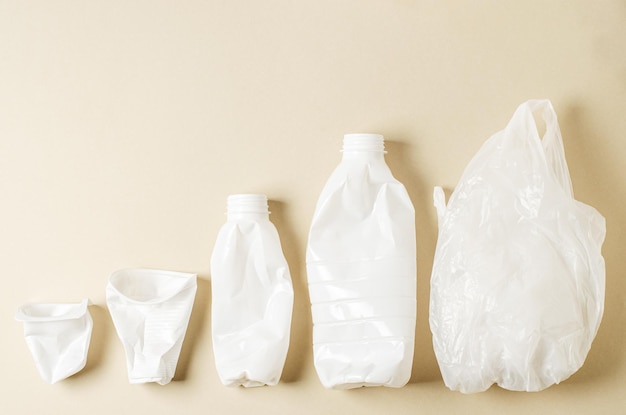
[364, 142]
[247, 203]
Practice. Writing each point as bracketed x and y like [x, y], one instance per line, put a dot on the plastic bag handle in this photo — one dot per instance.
[551, 145]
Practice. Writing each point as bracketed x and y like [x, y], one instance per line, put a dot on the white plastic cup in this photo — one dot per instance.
[58, 336]
[150, 311]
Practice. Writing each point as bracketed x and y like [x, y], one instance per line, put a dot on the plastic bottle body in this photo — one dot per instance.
[252, 296]
[361, 268]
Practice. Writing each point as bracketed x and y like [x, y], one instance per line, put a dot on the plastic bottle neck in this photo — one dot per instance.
[250, 206]
[368, 146]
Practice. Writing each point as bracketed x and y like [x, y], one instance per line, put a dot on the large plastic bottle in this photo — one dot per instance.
[361, 266]
[252, 296]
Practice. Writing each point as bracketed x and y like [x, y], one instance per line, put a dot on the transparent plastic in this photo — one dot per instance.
[252, 296]
[517, 288]
[361, 265]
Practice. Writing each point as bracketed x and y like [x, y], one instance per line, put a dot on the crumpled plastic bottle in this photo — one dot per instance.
[361, 265]
[252, 296]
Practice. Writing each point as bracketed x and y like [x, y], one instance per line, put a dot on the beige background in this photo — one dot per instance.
[124, 125]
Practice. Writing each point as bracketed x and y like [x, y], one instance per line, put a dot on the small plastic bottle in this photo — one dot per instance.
[252, 296]
[361, 266]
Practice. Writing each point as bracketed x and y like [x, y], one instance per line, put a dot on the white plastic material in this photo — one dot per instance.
[58, 336]
[361, 269]
[150, 311]
[252, 296]
[517, 289]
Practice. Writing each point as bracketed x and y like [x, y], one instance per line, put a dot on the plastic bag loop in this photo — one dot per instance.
[549, 147]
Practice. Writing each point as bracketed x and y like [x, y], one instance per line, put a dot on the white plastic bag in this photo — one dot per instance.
[150, 310]
[517, 289]
[252, 296]
[58, 336]
[361, 267]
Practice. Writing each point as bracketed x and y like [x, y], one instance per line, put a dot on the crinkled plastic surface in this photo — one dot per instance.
[361, 266]
[252, 296]
[517, 289]
[150, 310]
[58, 336]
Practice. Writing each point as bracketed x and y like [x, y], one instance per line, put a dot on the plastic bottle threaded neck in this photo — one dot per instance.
[255, 204]
[373, 143]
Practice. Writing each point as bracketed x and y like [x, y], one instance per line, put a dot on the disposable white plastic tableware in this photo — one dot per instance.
[150, 310]
[58, 336]
[517, 289]
[252, 296]
[361, 265]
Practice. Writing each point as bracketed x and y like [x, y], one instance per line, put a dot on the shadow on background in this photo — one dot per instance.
[195, 329]
[300, 344]
[102, 323]
[597, 177]
[407, 171]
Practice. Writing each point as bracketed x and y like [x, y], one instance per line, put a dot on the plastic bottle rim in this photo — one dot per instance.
[364, 142]
[247, 203]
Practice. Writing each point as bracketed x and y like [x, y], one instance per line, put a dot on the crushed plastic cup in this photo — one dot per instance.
[150, 310]
[58, 336]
